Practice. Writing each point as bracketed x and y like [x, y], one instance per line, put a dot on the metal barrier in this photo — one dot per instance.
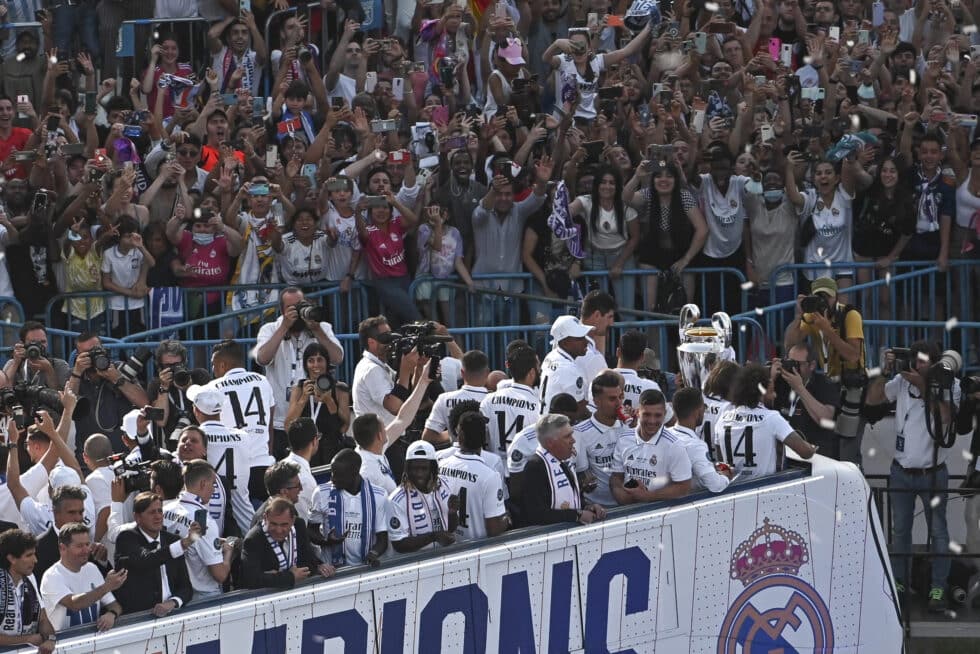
[146, 30]
[325, 38]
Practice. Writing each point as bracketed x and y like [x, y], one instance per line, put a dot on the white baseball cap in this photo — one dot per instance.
[207, 399]
[420, 450]
[129, 423]
[568, 327]
[63, 476]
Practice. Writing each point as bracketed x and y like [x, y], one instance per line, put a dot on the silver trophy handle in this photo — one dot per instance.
[689, 316]
[722, 323]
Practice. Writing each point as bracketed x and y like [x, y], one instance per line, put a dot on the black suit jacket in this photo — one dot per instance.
[47, 553]
[258, 559]
[144, 588]
[535, 499]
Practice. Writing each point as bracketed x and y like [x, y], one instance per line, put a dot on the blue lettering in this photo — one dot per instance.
[210, 647]
[634, 565]
[272, 639]
[516, 622]
[561, 607]
[468, 600]
[393, 627]
[347, 625]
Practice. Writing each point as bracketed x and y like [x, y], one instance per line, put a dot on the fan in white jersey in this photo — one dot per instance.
[748, 436]
[560, 372]
[351, 513]
[525, 444]
[596, 438]
[229, 451]
[249, 401]
[716, 389]
[476, 367]
[422, 512]
[514, 406]
[479, 487]
[650, 464]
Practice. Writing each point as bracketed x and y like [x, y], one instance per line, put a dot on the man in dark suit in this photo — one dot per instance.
[277, 553]
[158, 578]
[68, 505]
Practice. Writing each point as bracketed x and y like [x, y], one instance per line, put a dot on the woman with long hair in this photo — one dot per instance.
[302, 251]
[613, 232]
[675, 230]
[324, 400]
[338, 219]
[382, 236]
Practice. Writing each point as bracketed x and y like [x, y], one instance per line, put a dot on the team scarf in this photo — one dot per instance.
[564, 493]
[18, 622]
[255, 268]
[420, 512]
[561, 224]
[285, 557]
[335, 520]
[228, 65]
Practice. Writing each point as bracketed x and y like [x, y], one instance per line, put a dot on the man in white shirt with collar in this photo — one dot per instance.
[515, 406]
[303, 444]
[919, 464]
[376, 388]
[279, 348]
[476, 367]
[209, 557]
[650, 464]
[597, 437]
[374, 437]
[560, 373]
[689, 410]
[599, 313]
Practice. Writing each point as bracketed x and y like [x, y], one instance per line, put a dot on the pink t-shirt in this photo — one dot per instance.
[210, 264]
[386, 249]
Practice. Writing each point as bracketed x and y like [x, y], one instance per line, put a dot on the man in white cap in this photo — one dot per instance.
[422, 510]
[229, 451]
[559, 372]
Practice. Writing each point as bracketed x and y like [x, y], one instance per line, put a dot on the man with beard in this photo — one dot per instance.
[239, 53]
[461, 193]
[279, 348]
[29, 259]
[24, 75]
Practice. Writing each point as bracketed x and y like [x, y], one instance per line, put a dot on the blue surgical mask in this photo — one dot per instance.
[866, 92]
[773, 195]
[754, 187]
[203, 239]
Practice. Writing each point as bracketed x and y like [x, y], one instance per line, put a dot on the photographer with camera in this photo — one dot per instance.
[31, 363]
[377, 388]
[923, 387]
[110, 394]
[280, 346]
[809, 400]
[168, 391]
[320, 397]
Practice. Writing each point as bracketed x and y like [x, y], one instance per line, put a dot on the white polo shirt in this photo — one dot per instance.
[373, 380]
[913, 445]
[750, 439]
[560, 374]
[656, 462]
[480, 490]
[595, 444]
[704, 474]
[286, 367]
[510, 409]
[438, 419]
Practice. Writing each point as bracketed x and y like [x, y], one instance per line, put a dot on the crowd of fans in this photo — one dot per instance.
[422, 142]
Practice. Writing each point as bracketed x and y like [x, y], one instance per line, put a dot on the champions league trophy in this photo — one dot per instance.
[702, 347]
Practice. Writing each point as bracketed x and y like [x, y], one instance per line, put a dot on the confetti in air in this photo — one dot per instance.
[855, 121]
[53, 60]
[934, 502]
[20, 56]
[872, 451]
[741, 328]
[952, 323]
[923, 357]
[197, 213]
[762, 389]
[759, 311]
[711, 6]
[888, 278]
[746, 286]
[966, 455]
[827, 423]
[874, 372]
[955, 547]
[912, 77]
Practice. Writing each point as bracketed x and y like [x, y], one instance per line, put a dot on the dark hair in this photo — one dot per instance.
[455, 413]
[301, 434]
[369, 329]
[277, 505]
[278, 475]
[747, 391]
[29, 326]
[15, 543]
[686, 401]
[168, 476]
[312, 350]
[196, 470]
[681, 230]
[811, 352]
[521, 360]
[929, 348]
[607, 379]
[475, 361]
[652, 397]
[297, 89]
[720, 379]
[472, 431]
[365, 429]
[229, 351]
[69, 530]
[618, 209]
[632, 345]
[144, 500]
[563, 403]
[301, 210]
[66, 492]
[597, 301]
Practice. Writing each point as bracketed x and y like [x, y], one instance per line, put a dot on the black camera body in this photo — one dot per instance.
[903, 359]
[422, 337]
[816, 303]
[325, 382]
[303, 54]
[311, 312]
[99, 359]
[181, 375]
[35, 396]
[135, 476]
[36, 350]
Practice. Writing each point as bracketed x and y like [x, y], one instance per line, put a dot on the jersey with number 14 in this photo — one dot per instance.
[510, 410]
[750, 439]
[248, 406]
[230, 452]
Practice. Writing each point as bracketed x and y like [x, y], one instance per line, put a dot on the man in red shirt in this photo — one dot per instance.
[12, 139]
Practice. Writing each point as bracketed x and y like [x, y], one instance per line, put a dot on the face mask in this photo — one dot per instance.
[866, 92]
[203, 239]
[753, 187]
[774, 195]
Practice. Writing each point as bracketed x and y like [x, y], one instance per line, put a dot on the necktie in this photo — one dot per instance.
[154, 544]
[570, 475]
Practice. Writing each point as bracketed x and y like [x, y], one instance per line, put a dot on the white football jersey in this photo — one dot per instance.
[713, 409]
[230, 452]
[510, 410]
[521, 448]
[595, 444]
[560, 374]
[635, 385]
[353, 519]
[480, 490]
[438, 419]
[592, 363]
[656, 462]
[492, 460]
[750, 439]
[248, 406]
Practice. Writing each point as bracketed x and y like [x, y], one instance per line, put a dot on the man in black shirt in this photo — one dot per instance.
[812, 405]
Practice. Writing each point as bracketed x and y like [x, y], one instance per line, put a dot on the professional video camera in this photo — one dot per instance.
[135, 476]
[422, 337]
[13, 400]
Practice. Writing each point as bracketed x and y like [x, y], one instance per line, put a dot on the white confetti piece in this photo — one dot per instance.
[912, 77]
[711, 6]
[20, 56]
[828, 263]
[955, 547]
[968, 29]
[888, 278]
[849, 43]
[53, 60]
[762, 389]
[952, 323]
[827, 423]
[819, 251]
[746, 286]
[966, 455]
[759, 311]
[934, 502]
[874, 372]
[808, 60]
[872, 452]
[742, 328]
[923, 357]
[855, 121]
[197, 212]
